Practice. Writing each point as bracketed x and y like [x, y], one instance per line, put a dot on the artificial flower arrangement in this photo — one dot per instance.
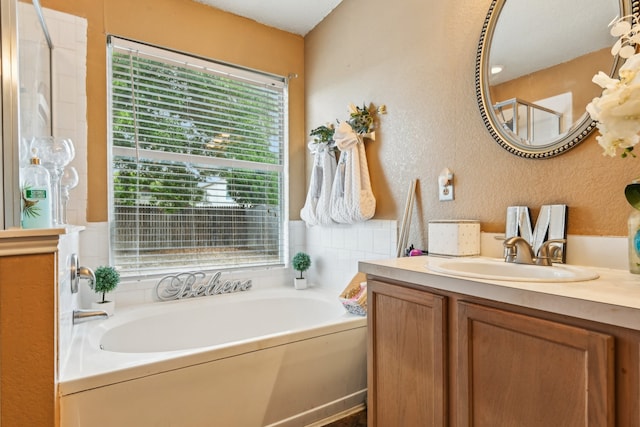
[617, 110]
[361, 118]
[361, 121]
[617, 113]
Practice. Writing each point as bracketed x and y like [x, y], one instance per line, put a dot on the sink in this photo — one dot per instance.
[497, 269]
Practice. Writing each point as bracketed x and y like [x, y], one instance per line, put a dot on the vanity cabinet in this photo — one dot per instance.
[407, 348]
[35, 322]
[441, 358]
[27, 340]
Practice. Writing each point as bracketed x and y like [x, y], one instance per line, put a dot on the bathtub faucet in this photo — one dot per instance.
[81, 316]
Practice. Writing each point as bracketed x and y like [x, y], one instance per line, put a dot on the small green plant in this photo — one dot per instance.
[107, 279]
[301, 262]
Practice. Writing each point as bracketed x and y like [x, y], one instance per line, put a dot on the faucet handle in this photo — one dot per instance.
[518, 250]
[555, 252]
[549, 251]
[510, 253]
[78, 272]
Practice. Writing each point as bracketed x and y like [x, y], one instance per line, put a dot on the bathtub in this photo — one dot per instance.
[272, 357]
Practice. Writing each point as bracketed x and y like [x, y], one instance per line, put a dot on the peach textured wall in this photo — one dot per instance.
[190, 27]
[418, 58]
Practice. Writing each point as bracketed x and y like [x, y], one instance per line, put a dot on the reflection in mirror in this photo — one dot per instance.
[26, 95]
[534, 68]
[34, 68]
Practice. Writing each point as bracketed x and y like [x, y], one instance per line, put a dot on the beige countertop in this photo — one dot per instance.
[613, 298]
[19, 241]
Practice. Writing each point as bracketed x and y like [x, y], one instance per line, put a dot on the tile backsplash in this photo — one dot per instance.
[335, 250]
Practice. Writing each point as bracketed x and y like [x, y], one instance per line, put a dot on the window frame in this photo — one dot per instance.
[198, 63]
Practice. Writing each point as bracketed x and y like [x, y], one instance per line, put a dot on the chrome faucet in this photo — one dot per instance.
[519, 251]
[81, 316]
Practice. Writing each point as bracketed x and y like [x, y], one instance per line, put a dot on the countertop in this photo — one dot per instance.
[18, 241]
[613, 298]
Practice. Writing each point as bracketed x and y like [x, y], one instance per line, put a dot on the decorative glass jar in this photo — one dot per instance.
[634, 241]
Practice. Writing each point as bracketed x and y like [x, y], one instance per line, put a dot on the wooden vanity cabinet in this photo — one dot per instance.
[35, 322]
[438, 358]
[407, 357]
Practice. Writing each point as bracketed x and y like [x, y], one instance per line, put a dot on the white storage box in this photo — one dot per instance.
[454, 237]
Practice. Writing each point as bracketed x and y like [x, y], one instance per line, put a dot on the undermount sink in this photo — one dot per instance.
[497, 269]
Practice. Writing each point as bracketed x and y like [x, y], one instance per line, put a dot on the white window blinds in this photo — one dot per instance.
[197, 163]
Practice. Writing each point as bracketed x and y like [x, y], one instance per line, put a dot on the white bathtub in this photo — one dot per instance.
[275, 357]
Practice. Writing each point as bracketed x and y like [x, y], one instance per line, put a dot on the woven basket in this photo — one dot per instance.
[354, 296]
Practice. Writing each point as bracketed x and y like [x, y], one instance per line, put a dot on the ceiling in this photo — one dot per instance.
[294, 16]
[574, 22]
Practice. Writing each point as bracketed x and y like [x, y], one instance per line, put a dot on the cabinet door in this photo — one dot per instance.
[28, 340]
[516, 370]
[406, 357]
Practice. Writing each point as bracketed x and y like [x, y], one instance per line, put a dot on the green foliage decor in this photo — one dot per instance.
[107, 279]
[301, 262]
[323, 133]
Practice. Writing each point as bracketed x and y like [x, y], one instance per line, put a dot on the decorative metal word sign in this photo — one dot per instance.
[194, 284]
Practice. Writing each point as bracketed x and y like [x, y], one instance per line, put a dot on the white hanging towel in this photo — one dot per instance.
[317, 208]
[351, 197]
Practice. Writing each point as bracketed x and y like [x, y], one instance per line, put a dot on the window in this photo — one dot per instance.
[197, 163]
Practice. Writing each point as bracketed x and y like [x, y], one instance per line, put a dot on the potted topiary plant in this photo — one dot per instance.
[301, 262]
[107, 279]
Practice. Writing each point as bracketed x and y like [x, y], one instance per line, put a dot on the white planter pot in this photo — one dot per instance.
[300, 283]
[108, 306]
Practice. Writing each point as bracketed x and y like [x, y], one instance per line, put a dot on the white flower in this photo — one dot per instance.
[617, 110]
[629, 71]
[611, 142]
[604, 81]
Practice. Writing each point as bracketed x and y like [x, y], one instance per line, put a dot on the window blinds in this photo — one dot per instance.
[197, 163]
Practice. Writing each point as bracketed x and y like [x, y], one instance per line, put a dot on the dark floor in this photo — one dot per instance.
[359, 419]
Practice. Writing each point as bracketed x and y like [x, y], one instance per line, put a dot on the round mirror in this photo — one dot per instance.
[534, 68]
